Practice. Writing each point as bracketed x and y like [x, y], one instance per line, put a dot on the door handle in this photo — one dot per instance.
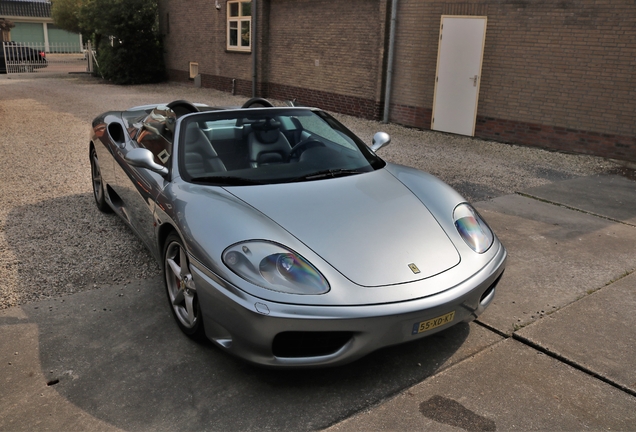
[474, 80]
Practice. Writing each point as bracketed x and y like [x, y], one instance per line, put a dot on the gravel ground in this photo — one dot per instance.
[54, 241]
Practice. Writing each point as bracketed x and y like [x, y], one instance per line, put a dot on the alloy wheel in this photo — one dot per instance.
[181, 290]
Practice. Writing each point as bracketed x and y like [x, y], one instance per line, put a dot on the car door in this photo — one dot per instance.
[138, 188]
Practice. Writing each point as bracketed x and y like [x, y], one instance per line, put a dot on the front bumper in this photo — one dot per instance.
[247, 326]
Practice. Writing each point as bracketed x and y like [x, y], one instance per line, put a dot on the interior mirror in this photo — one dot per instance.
[143, 158]
[380, 139]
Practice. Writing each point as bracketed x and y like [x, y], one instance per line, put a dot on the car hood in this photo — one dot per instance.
[369, 227]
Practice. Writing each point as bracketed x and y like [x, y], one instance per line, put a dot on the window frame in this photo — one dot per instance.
[238, 21]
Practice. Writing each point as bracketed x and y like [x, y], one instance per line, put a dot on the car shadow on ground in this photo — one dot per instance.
[118, 355]
[113, 349]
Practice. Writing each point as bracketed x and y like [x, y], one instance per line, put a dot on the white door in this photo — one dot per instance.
[459, 57]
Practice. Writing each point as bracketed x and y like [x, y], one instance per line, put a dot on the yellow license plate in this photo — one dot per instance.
[427, 325]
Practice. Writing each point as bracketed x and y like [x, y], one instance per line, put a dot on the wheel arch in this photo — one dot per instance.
[164, 231]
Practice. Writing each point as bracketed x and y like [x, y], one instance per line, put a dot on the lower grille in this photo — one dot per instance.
[309, 344]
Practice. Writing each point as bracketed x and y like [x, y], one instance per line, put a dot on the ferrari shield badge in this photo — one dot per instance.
[414, 268]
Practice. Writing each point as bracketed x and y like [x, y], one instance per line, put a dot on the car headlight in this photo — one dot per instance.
[274, 267]
[472, 228]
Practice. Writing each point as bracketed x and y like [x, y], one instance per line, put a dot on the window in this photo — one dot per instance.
[239, 25]
[269, 145]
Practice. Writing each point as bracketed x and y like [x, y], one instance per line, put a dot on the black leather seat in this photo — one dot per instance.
[200, 156]
[266, 144]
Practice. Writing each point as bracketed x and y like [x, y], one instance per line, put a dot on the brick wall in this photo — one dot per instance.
[557, 138]
[320, 52]
[569, 64]
[195, 31]
[326, 54]
[556, 74]
[415, 59]
[351, 105]
[325, 45]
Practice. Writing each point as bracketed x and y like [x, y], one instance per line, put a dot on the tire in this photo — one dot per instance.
[98, 184]
[180, 288]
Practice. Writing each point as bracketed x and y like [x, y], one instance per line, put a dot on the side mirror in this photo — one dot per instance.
[380, 139]
[143, 158]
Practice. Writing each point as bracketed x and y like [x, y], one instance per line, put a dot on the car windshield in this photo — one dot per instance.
[269, 145]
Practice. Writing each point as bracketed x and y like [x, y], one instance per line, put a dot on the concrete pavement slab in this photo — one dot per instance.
[610, 196]
[121, 362]
[597, 332]
[28, 400]
[508, 386]
[555, 256]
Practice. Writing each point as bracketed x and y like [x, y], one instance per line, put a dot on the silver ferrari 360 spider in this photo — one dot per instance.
[283, 238]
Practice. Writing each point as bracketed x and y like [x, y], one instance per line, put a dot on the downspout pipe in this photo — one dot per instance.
[389, 68]
[254, 46]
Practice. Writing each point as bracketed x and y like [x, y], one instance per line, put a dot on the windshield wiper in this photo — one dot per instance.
[226, 181]
[330, 173]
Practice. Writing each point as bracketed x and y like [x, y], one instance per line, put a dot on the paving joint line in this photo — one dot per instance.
[492, 329]
[526, 195]
[394, 394]
[557, 357]
[573, 364]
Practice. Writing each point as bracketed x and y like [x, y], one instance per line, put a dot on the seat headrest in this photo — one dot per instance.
[267, 130]
[266, 124]
[193, 133]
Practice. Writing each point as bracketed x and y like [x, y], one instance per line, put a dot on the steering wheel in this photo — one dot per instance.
[182, 107]
[302, 146]
[257, 100]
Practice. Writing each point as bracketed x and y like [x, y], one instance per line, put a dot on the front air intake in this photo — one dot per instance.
[309, 344]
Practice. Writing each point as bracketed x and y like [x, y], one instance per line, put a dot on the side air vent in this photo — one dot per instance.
[116, 132]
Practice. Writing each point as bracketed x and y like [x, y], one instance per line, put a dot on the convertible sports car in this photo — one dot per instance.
[283, 238]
